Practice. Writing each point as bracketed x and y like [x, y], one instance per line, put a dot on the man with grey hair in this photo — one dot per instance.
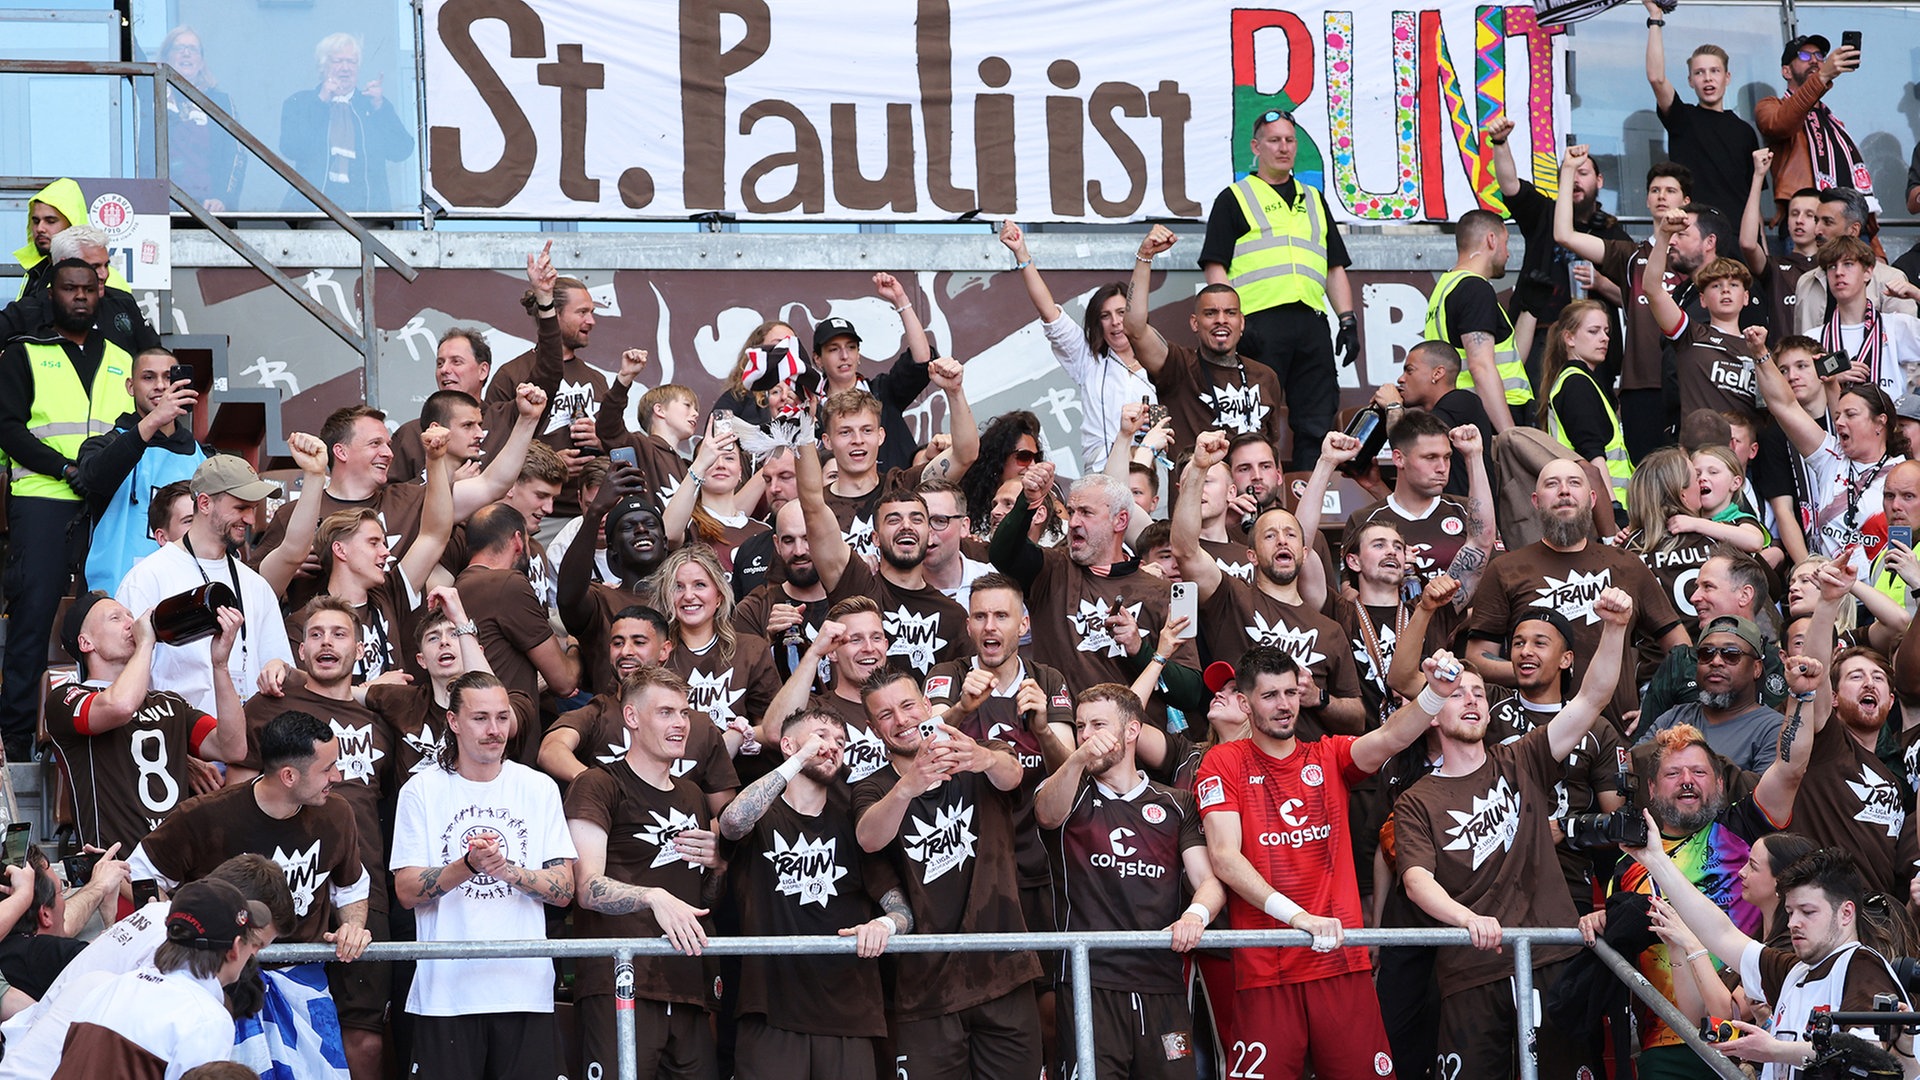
[117, 316]
[1076, 591]
[342, 134]
[1843, 212]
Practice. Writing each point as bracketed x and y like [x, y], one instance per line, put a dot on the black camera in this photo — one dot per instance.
[1625, 827]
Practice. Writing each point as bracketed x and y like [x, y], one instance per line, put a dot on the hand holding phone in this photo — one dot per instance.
[623, 455]
[1186, 605]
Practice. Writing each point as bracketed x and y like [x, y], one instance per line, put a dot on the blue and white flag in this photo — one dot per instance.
[297, 1034]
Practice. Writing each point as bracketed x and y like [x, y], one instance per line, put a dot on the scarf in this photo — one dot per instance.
[1835, 159]
[340, 138]
[1869, 338]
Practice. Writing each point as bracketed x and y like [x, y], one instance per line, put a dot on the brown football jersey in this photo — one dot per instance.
[924, 627]
[123, 782]
[1851, 800]
[1069, 605]
[1204, 397]
[399, 508]
[1239, 616]
[511, 622]
[605, 738]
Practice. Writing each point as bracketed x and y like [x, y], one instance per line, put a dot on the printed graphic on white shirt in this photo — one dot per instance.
[1490, 826]
[943, 845]
[808, 869]
[498, 824]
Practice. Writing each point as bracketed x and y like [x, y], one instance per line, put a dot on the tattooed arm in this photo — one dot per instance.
[1482, 529]
[552, 883]
[417, 885]
[1477, 347]
[738, 819]
[679, 920]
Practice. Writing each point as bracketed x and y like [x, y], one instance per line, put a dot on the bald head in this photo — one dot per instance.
[1901, 494]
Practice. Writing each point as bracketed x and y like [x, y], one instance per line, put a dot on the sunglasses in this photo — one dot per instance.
[1025, 456]
[1731, 654]
[1808, 56]
[1271, 115]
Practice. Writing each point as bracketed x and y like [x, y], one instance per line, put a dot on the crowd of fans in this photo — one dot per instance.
[1620, 644]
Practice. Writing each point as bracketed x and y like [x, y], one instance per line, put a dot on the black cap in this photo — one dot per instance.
[75, 620]
[828, 329]
[1793, 48]
[632, 504]
[1550, 616]
[209, 913]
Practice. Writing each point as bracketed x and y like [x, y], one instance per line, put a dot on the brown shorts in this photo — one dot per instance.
[670, 1040]
[766, 1052]
[1135, 1036]
[999, 1038]
[1477, 1036]
[362, 990]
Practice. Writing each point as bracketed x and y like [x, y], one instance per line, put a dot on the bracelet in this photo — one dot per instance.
[1024, 265]
[1281, 909]
[698, 480]
[1200, 910]
[1695, 955]
[1158, 659]
[909, 303]
[1143, 258]
[468, 859]
[1497, 142]
[548, 306]
[1804, 698]
[1656, 22]
[1430, 702]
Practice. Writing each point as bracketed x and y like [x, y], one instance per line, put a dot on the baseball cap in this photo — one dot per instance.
[1908, 407]
[828, 329]
[225, 474]
[209, 913]
[1551, 617]
[1794, 46]
[75, 620]
[1737, 625]
[1218, 676]
[632, 504]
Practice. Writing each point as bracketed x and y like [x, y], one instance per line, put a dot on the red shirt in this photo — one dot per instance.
[1293, 829]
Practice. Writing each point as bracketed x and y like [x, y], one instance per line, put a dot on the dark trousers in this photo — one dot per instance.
[1293, 340]
[1643, 422]
[41, 555]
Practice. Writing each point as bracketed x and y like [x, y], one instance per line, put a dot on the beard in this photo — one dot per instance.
[1718, 702]
[1281, 577]
[1672, 819]
[804, 576]
[1565, 532]
[898, 561]
[73, 322]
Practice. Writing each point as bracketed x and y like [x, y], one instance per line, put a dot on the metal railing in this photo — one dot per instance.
[1078, 947]
[364, 338]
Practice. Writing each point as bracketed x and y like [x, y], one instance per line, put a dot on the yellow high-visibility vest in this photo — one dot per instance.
[1506, 358]
[1282, 257]
[65, 413]
[1619, 466]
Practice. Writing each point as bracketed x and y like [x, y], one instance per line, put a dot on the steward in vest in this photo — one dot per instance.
[1577, 412]
[58, 386]
[1274, 240]
[149, 447]
[1464, 312]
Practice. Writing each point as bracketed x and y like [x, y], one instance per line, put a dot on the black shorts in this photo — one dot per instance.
[1036, 905]
[765, 1052]
[1478, 1037]
[671, 1040]
[486, 1046]
[995, 1038]
[361, 990]
[1135, 1036]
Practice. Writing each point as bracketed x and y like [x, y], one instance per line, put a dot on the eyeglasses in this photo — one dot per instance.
[1809, 56]
[1729, 654]
[941, 521]
[1025, 456]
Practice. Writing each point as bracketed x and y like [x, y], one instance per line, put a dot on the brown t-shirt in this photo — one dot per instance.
[855, 512]
[865, 753]
[924, 627]
[1372, 632]
[1851, 800]
[640, 822]
[1678, 567]
[801, 875]
[1569, 582]
[409, 463]
[366, 765]
[577, 396]
[389, 620]
[124, 781]
[604, 739]
[1484, 836]
[603, 603]
[750, 617]
[1433, 539]
[996, 719]
[1591, 769]
[1624, 264]
[511, 621]
[1239, 616]
[724, 689]
[731, 537]
[1203, 397]
[1069, 605]
[418, 725]
[318, 849]
[399, 508]
[1231, 556]
[1715, 369]
[954, 858]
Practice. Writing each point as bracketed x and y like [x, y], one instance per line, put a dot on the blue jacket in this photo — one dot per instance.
[118, 476]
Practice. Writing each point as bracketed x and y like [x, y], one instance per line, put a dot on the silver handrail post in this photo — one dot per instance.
[1524, 1022]
[623, 1026]
[1083, 1047]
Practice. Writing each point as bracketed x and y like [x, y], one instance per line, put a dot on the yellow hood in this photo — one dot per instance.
[65, 196]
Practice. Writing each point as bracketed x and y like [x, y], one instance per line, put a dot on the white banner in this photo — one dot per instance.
[1040, 110]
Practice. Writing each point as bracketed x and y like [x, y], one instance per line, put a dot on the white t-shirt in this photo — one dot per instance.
[177, 1018]
[1899, 351]
[189, 671]
[970, 571]
[439, 813]
[36, 1034]
[1105, 385]
[1834, 484]
[1801, 993]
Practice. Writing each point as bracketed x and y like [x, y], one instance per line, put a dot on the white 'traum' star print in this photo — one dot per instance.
[1090, 623]
[427, 745]
[944, 845]
[1297, 643]
[1573, 596]
[807, 868]
[574, 401]
[661, 833]
[714, 695]
[916, 637]
[302, 868]
[1239, 408]
[357, 752]
[1490, 826]
[1879, 802]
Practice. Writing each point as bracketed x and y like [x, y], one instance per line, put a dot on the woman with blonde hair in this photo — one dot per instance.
[1662, 495]
[730, 674]
[1578, 412]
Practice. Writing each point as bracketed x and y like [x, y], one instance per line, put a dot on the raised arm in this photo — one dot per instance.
[1591, 248]
[1337, 449]
[1037, 291]
[436, 510]
[503, 471]
[794, 693]
[1657, 58]
[1412, 719]
[1483, 528]
[1196, 565]
[1702, 916]
[1802, 430]
[1753, 239]
[948, 374]
[1809, 705]
[679, 510]
[228, 739]
[1571, 724]
[747, 808]
[1505, 173]
[830, 551]
[1011, 550]
[1405, 675]
[1148, 346]
[894, 293]
[1653, 280]
[281, 564]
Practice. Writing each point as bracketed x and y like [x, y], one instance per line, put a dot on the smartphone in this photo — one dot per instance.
[19, 837]
[1830, 364]
[930, 731]
[1850, 39]
[722, 419]
[624, 455]
[1900, 534]
[1186, 605]
[180, 373]
[80, 867]
[1715, 1030]
[145, 891]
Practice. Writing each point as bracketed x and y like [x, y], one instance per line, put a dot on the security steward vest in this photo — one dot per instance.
[1506, 358]
[65, 413]
[1619, 466]
[1282, 257]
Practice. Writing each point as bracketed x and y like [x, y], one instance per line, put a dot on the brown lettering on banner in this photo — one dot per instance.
[934, 28]
[1126, 98]
[896, 187]
[574, 77]
[1174, 110]
[993, 142]
[704, 69]
[526, 37]
[1066, 152]
[809, 193]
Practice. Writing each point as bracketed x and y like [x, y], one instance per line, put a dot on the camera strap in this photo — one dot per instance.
[239, 599]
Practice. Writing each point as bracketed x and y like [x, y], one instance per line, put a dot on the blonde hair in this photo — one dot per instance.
[702, 556]
[1655, 493]
[1557, 356]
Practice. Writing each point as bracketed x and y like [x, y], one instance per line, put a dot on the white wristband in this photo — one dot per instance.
[1201, 910]
[1430, 702]
[1281, 909]
[792, 767]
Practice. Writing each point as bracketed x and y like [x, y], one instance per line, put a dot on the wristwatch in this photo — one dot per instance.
[465, 628]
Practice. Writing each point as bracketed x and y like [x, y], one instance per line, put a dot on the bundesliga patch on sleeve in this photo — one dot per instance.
[939, 686]
[1211, 792]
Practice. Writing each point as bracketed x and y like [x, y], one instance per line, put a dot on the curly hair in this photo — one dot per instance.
[998, 440]
[702, 556]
